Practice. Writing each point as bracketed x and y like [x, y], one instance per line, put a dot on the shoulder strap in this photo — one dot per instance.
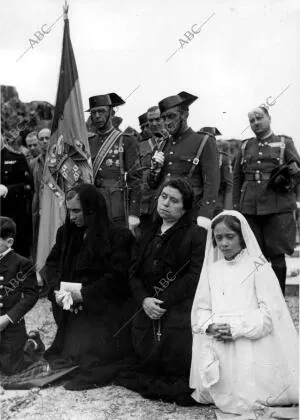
[104, 150]
[121, 155]
[282, 148]
[150, 144]
[198, 154]
[243, 148]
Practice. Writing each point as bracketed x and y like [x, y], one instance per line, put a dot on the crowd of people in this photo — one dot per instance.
[168, 274]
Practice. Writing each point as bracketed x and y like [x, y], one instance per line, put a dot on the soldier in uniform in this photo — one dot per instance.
[225, 191]
[187, 154]
[144, 125]
[156, 142]
[116, 163]
[15, 175]
[267, 208]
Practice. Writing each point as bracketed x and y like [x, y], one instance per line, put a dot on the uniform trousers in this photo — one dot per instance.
[276, 235]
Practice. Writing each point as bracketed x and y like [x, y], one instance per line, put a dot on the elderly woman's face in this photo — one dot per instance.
[228, 241]
[170, 204]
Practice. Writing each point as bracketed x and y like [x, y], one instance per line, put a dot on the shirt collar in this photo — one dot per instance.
[270, 133]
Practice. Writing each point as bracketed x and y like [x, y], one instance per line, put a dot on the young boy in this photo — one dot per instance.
[18, 294]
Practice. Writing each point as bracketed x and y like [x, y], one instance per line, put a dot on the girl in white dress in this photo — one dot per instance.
[245, 345]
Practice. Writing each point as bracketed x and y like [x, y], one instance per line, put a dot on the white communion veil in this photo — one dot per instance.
[284, 333]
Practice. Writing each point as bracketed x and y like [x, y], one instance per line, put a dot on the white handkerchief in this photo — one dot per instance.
[65, 298]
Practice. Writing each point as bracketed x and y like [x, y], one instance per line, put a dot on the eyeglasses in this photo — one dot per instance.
[44, 138]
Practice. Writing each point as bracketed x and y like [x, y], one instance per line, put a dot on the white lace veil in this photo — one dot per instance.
[284, 332]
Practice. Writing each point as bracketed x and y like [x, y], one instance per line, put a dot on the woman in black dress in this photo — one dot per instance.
[163, 278]
[91, 251]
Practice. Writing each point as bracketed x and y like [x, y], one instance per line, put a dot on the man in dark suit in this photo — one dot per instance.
[15, 175]
[187, 154]
[116, 164]
[268, 209]
[225, 191]
[18, 294]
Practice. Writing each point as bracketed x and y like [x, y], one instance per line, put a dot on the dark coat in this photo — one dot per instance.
[183, 242]
[101, 280]
[105, 292]
[108, 179]
[257, 197]
[179, 156]
[147, 149]
[20, 291]
[162, 366]
[225, 191]
[15, 175]
[19, 294]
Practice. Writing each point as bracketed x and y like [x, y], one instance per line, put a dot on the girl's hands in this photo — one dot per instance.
[221, 332]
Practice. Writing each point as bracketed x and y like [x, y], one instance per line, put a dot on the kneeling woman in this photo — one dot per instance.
[90, 259]
[163, 278]
[245, 346]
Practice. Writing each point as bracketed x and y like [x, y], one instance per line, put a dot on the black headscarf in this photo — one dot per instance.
[86, 247]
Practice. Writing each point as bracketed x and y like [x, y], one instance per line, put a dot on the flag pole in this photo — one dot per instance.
[66, 9]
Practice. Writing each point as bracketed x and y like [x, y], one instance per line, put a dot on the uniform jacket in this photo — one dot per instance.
[256, 197]
[225, 191]
[20, 291]
[108, 179]
[15, 175]
[179, 156]
[147, 149]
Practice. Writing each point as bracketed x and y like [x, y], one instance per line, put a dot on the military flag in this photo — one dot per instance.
[68, 158]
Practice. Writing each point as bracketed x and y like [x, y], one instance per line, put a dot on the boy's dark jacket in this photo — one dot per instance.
[20, 288]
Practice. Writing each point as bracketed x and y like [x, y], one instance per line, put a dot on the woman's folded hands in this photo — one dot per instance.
[152, 308]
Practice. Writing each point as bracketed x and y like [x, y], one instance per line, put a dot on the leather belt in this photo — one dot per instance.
[257, 176]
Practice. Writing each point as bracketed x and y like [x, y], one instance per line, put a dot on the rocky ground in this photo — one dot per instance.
[111, 402]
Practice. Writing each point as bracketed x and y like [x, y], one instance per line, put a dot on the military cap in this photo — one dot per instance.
[143, 119]
[110, 99]
[182, 98]
[210, 130]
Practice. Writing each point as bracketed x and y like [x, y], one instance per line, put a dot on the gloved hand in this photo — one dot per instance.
[3, 190]
[279, 180]
[158, 159]
[204, 222]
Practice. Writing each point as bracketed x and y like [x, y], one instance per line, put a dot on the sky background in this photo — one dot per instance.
[246, 52]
